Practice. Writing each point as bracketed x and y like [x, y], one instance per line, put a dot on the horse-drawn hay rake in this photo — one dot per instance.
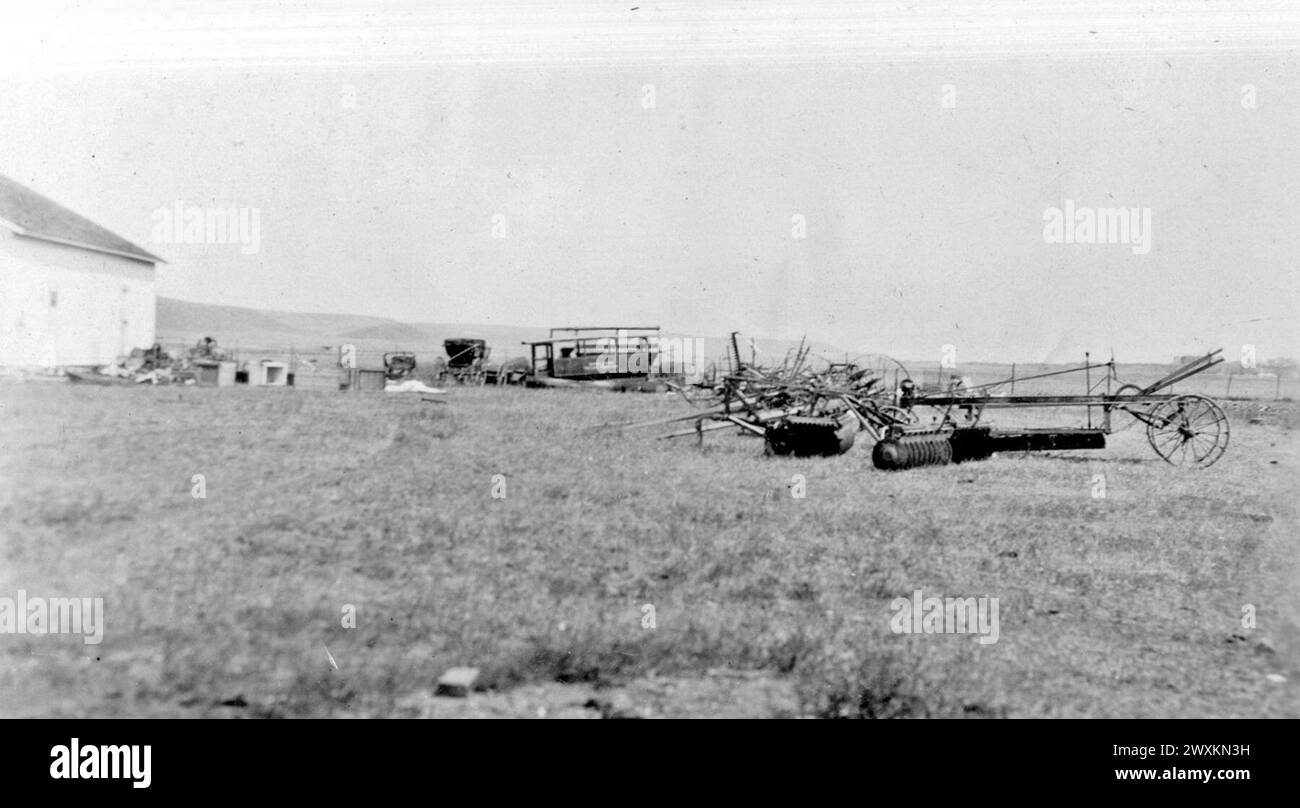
[801, 413]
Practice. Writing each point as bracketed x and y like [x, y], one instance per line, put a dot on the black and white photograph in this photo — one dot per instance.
[682, 360]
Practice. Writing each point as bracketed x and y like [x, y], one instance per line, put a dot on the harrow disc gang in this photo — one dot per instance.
[977, 443]
[911, 451]
[810, 436]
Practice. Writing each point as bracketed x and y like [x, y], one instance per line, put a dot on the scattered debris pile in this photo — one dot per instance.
[207, 348]
[142, 365]
[154, 365]
[399, 365]
[801, 412]
[797, 409]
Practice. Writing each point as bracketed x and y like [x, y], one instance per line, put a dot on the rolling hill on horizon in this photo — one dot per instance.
[183, 322]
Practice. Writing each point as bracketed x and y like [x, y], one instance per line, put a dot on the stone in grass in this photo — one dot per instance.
[457, 682]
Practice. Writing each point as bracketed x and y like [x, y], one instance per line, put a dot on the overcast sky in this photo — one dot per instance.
[587, 163]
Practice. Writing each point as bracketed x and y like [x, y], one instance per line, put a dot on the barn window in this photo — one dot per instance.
[54, 298]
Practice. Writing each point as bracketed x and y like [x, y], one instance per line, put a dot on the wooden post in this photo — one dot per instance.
[1228, 390]
[1087, 381]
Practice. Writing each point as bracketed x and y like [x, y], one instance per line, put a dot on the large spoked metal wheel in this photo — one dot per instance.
[1188, 430]
[1121, 424]
[898, 415]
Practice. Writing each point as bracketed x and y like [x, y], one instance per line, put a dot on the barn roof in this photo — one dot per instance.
[29, 214]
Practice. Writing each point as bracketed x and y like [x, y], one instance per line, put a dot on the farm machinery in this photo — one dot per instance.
[621, 358]
[399, 365]
[1183, 430]
[804, 413]
[466, 361]
[796, 410]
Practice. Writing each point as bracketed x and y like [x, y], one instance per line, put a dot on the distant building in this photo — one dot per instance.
[71, 292]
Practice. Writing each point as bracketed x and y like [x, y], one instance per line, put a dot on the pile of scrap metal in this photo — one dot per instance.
[399, 365]
[153, 365]
[804, 413]
[399, 375]
[797, 410]
[142, 366]
[207, 349]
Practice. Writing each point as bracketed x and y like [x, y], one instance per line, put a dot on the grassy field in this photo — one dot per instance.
[764, 603]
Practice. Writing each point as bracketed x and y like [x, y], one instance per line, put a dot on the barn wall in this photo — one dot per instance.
[67, 306]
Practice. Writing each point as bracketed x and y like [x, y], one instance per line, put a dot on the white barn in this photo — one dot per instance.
[71, 293]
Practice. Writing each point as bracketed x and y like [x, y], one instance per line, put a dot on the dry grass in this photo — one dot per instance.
[1124, 606]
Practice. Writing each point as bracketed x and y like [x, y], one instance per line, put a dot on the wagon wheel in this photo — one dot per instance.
[1126, 423]
[1188, 430]
[898, 415]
